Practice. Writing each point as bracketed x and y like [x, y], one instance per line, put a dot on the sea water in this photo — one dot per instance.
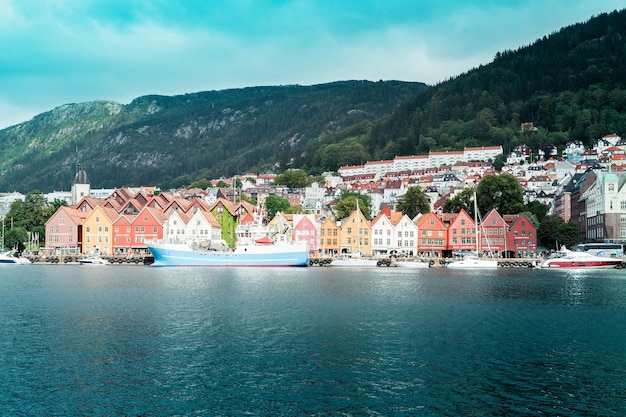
[146, 341]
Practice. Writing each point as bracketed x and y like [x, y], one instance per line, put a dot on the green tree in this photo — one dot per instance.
[499, 162]
[346, 204]
[15, 237]
[462, 201]
[31, 214]
[202, 183]
[538, 209]
[413, 202]
[293, 178]
[554, 232]
[500, 192]
[274, 204]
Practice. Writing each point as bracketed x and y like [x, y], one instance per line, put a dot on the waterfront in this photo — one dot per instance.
[138, 341]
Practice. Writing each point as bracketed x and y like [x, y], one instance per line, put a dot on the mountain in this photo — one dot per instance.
[569, 85]
[171, 141]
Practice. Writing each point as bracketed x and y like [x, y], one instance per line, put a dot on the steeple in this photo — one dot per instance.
[80, 187]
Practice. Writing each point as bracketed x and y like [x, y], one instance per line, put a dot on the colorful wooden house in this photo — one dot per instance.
[306, 228]
[462, 233]
[98, 231]
[522, 237]
[329, 238]
[494, 234]
[122, 232]
[356, 233]
[433, 236]
[146, 226]
[63, 231]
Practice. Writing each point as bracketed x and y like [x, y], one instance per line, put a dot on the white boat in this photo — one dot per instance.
[566, 258]
[11, 258]
[93, 260]
[354, 262]
[254, 248]
[472, 260]
[414, 263]
[264, 252]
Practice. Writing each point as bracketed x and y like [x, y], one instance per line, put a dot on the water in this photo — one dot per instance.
[142, 341]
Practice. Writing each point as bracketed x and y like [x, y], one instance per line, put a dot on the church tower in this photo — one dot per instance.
[80, 187]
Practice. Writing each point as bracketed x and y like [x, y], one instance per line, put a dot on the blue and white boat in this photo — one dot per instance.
[257, 254]
[254, 248]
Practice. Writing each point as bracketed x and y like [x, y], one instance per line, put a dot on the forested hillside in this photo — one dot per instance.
[569, 84]
[171, 141]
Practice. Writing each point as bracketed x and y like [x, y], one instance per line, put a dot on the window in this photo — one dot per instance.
[61, 219]
[145, 220]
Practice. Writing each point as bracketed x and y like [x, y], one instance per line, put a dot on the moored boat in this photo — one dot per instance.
[265, 252]
[11, 258]
[566, 258]
[354, 262]
[93, 260]
[473, 262]
[411, 263]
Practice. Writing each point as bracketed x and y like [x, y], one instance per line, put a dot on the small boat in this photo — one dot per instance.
[566, 258]
[11, 258]
[414, 263]
[93, 260]
[354, 262]
[473, 262]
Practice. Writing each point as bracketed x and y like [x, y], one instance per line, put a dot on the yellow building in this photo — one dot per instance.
[355, 234]
[329, 238]
[97, 236]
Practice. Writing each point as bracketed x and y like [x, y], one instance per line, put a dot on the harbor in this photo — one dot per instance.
[127, 340]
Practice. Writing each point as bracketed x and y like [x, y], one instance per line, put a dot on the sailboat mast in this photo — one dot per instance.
[476, 224]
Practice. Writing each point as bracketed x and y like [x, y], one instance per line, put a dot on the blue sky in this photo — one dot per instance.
[54, 52]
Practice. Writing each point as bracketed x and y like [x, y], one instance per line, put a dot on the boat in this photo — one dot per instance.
[355, 261]
[255, 248]
[93, 260]
[472, 260]
[11, 258]
[414, 263]
[566, 258]
[263, 252]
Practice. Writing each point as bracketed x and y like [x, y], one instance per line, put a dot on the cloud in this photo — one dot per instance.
[60, 51]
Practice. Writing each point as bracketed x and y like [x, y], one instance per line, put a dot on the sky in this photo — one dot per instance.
[54, 52]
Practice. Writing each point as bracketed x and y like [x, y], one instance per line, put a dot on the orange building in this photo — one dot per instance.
[433, 237]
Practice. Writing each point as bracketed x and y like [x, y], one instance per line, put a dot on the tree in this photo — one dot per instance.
[462, 201]
[274, 204]
[538, 209]
[293, 178]
[500, 192]
[346, 204]
[413, 202]
[554, 232]
[202, 183]
[15, 238]
[31, 214]
[498, 162]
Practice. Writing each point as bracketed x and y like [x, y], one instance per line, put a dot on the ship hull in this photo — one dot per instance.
[261, 256]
